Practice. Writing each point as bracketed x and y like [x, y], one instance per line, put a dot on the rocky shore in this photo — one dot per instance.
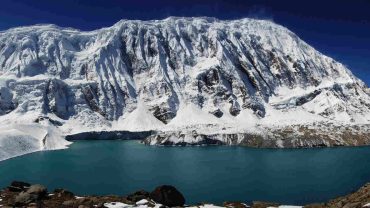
[293, 136]
[22, 194]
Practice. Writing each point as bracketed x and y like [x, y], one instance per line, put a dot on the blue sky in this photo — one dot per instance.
[338, 28]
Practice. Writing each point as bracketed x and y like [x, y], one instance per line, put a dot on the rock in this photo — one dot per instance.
[94, 200]
[234, 108]
[18, 186]
[84, 201]
[163, 114]
[38, 190]
[352, 205]
[137, 196]
[235, 205]
[218, 113]
[53, 122]
[260, 204]
[68, 203]
[24, 198]
[33, 205]
[167, 195]
[33, 194]
[63, 193]
[100, 205]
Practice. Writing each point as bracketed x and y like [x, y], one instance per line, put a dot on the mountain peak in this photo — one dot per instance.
[241, 73]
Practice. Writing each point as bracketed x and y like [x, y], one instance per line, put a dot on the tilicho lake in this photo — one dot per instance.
[203, 174]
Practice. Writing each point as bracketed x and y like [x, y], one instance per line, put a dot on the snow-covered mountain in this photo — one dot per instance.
[188, 76]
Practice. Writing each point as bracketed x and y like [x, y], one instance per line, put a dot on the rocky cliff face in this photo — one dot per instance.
[174, 73]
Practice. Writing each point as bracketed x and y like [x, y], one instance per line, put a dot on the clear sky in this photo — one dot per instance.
[338, 28]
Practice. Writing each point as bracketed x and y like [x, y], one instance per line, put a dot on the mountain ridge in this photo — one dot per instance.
[175, 75]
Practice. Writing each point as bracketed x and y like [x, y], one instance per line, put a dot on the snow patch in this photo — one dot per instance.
[138, 120]
[191, 114]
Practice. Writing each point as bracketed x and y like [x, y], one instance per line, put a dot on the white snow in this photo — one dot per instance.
[191, 114]
[14, 143]
[203, 64]
[138, 120]
[143, 205]
[139, 204]
[142, 202]
[116, 205]
[21, 138]
[115, 77]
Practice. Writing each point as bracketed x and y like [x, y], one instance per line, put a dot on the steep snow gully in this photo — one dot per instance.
[191, 80]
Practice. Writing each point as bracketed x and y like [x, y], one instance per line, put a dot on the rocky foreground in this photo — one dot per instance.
[21, 194]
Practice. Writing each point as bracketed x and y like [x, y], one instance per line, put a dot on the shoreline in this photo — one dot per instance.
[22, 194]
[109, 135]
[137, 136]
[40, 137]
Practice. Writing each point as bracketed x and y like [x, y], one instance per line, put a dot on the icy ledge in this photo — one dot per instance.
[20, 139]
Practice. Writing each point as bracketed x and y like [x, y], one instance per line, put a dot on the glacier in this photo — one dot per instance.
[191, 80]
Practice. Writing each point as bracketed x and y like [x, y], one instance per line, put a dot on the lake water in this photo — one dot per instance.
[203, 174]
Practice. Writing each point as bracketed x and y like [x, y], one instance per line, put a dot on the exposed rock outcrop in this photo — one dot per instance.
[162, 196]
[295, 136]
[168, 196]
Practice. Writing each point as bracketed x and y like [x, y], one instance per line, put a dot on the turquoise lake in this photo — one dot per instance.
[203, 174]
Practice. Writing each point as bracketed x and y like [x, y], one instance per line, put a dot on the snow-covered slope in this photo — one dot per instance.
[174, 74]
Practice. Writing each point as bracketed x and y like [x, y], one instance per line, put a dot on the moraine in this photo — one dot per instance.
[288, 176]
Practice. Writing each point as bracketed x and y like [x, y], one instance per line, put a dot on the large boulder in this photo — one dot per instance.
[38, 190]
[24, 198]
[18, 186]
[167, 195]
[63, 193]
[33, 194]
